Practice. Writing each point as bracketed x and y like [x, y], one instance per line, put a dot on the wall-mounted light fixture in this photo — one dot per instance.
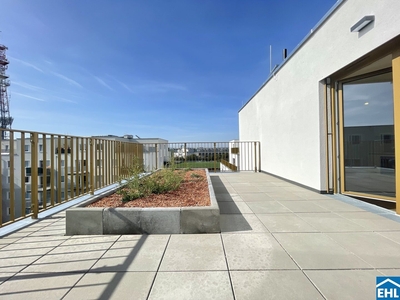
[362, 23]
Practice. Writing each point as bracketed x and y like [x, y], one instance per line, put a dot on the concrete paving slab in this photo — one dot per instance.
[310, 195]
[38, 286]
[194, 252]
[258, 197]
[7, 240]
[88, 243]
[79, 262]
[246, 189]
[256, 251]
[303, 206]
[115, 285]
[228, 198]
[16, 264]
[318, 251]
[234, 208]
[391, 235]
[345, 284]
[241, 223]
[330, 222]
[267, 207]
[289, 284]
[373, 248]
[285, 223]
[338, 206]
[283, 196]
[4, 276]
[389, 272]
[371, 221]
[133, 253]
[192, 285]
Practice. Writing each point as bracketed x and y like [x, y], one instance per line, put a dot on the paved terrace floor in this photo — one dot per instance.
[278, 241]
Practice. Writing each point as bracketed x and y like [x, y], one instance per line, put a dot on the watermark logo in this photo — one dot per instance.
[387, 287]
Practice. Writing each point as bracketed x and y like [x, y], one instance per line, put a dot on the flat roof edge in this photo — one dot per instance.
[297, 48]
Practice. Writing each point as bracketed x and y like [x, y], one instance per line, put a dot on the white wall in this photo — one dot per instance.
[287, 113]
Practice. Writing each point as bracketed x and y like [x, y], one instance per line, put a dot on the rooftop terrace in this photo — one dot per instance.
[278, 241]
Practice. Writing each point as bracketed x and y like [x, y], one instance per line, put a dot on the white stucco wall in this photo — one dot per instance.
[286, 115]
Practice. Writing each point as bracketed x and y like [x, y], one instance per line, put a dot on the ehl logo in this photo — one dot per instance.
[387, 287]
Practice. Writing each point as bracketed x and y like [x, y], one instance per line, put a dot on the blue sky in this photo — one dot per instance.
[178, 70]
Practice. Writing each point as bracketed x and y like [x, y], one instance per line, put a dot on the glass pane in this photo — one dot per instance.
[369, 135]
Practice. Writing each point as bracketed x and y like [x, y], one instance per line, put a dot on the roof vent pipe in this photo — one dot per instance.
[284, 54]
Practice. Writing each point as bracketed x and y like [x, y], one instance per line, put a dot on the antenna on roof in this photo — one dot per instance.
[270, 58]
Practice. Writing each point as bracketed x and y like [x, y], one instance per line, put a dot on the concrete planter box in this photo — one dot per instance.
[164, 220]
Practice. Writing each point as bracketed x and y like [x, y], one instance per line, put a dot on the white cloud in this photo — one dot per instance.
[30, 97]
[27, 86]
[25, 63]
[99, 80]
[69, 80]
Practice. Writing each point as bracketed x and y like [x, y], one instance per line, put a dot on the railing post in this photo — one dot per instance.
[255, 156]
[259, 156]
[92, 164]
[184, 153]
[34, 176]
[156, 156]
[215, 157]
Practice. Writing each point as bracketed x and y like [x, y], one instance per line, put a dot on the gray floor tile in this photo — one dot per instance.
[345, 284]
[133, 253]
[234, 208]
[7, 240]
[250, 197]
[389, 272]
[256, 251]
[228, 198]
[290, 284]
[5, 276]
[391, 235]
[246, 189]
[241, 223]
[119, 285]
[36, 243]
[271, 189]
[375, 249]
[187, 252]
[267, 207]
[338, 206]
[16, 264]
[303, 206]
[192, 285]
[284, 196]
[285, 223]
[330, 222]
[371, 221]
[309, 195]
[318, 251]
[38, 286]
[80, 261]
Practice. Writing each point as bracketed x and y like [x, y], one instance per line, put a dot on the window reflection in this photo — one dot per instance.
[369, 135]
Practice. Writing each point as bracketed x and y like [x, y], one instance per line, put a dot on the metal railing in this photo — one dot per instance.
[215, 156]
[42, 170]
[74, 165]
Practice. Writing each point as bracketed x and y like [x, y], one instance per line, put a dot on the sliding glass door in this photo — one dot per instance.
[368, 147]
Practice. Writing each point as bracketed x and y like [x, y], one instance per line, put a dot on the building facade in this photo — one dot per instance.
[329, 116]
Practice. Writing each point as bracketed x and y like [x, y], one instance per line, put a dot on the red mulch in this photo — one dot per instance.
[192, 192]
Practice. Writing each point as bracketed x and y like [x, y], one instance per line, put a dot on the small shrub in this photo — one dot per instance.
[160, 182]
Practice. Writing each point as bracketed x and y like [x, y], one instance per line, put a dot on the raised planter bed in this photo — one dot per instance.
[81, 220]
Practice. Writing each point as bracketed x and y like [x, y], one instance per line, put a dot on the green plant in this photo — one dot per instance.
[138, 186]
[195, 175]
